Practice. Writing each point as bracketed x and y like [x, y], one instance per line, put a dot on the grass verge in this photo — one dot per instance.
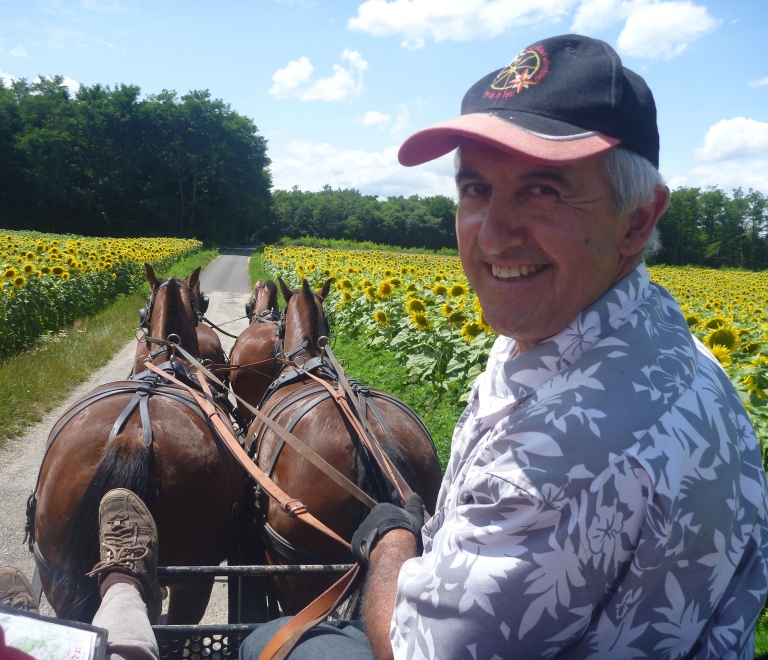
[256, 267]
[35, 381]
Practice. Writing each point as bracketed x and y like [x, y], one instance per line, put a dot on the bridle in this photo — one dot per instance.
[145, 313]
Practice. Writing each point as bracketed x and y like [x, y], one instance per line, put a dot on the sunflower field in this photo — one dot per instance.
[421, 308]
[48, 281]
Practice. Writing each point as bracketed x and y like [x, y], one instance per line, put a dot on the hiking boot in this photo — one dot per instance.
[16, 591]
[128, 544]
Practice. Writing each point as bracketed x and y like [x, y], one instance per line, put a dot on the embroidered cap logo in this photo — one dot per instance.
[527, 69]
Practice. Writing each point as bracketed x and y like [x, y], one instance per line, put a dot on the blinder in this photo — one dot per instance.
[145, 313]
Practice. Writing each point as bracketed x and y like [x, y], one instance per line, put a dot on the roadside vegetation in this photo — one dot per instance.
[38, 379]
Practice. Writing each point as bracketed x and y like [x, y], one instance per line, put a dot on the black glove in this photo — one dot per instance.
[384, 518]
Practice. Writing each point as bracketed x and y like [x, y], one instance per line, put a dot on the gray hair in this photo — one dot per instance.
[634, 181]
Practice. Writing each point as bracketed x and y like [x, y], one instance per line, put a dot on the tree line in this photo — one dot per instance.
[409, 222]
[702, 226]
[707, 227]
[105, 162]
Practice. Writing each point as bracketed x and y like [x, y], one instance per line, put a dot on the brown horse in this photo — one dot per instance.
[256, 347]
[208, 342]
[165, 452]
[305, 407]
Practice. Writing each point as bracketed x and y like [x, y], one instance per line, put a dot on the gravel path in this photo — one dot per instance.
[225, 281]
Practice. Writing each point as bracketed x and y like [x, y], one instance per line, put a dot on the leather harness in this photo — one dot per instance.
[144, 386]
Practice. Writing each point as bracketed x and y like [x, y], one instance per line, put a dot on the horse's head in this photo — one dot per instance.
[199, 299]
[305, 320]
[172, 308]
[264, 298]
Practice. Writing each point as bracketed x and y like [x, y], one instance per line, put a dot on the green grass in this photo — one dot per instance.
[184, 267]
[256, 268]
[376, 367]
[35, 381]
[761, 634]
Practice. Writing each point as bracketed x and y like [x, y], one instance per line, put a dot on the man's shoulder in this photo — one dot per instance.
[678, 416]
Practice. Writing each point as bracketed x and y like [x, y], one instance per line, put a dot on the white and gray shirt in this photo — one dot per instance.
[605, 498]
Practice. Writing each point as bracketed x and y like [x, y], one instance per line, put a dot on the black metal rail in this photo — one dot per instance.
[253, 571]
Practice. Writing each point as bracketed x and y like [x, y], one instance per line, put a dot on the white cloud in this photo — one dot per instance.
[344, 84]
[743, 173]
[663, 29]
[7, 78]
[403, 120]
[734, 138]
[595, 15]
[459, 20]
[19, 51]
[290, 78]
[375, 119]
[759, 83]
[312, 165]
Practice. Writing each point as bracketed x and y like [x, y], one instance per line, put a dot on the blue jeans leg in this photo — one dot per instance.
[345, 640]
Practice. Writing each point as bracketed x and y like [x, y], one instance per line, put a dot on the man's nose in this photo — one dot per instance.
[503, 227]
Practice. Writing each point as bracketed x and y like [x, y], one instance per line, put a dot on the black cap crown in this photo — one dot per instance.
[569, 86]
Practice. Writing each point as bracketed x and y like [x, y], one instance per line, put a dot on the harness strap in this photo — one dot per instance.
[360, 423]
[292, 553]
[290, 505]
[318, 461]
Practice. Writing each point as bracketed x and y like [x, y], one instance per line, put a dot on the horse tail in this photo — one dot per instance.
[126, 463]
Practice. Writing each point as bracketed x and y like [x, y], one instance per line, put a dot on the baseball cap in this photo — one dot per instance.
[560, 100]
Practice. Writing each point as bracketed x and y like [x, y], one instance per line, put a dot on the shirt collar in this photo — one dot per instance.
[510, 378]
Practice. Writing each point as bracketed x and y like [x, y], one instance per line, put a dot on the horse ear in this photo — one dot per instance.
[287, 293]
[326, 288]
[150, 272]
[194, 279]
[257, 286]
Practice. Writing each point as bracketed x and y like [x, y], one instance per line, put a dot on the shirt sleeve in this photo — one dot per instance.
[515, 574]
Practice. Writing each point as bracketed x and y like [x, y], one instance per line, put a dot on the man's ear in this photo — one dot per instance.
[642, 222]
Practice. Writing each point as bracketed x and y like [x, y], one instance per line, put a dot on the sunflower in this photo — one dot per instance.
[439, 290]
[9, 274]
[345, 284]
[470, 330]
[386, 289]
[723, 336]
[692, 320]
[20, 281]
[415, 305]
[370, 293]
[380, 316]
[57, 270]
[722, 354]
[457, 290]
[753, 388]
[456, 318]
[715, 323]
[420, 321]
[446, 309]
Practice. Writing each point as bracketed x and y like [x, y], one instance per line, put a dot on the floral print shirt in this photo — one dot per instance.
[605, 498]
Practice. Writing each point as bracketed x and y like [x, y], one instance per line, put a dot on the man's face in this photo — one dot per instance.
[539, 243]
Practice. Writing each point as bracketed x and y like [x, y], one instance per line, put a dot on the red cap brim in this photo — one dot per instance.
[438, 140]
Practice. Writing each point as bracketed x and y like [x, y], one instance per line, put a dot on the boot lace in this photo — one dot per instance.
[120, 550]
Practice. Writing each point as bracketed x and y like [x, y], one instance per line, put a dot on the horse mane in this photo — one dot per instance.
[312, 312]
[174, 307]
[272, 288]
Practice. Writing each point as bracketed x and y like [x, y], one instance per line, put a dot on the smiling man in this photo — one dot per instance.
[605, 495]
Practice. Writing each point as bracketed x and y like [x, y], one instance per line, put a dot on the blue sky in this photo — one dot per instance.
[336, 86]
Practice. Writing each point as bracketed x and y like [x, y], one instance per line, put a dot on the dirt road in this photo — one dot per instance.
[226, 283]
